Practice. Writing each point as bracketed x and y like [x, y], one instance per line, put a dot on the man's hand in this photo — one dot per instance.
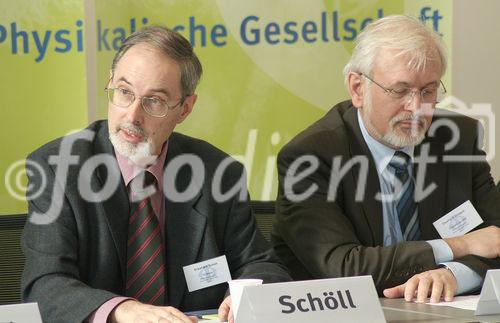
[226, 311]
[437, 283]
[137, 312]
[484, 242]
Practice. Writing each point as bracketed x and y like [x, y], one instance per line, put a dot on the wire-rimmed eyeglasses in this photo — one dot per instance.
[431, 94]
[154, 106]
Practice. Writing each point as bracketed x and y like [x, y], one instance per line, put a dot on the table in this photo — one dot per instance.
[397, 310]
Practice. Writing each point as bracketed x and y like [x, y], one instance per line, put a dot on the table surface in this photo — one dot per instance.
[397, 310]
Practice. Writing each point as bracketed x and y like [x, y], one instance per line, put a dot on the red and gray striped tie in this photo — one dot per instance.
[145, 258]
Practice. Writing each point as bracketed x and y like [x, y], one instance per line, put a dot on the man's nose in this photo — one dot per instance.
[135, 112]
[413, 100]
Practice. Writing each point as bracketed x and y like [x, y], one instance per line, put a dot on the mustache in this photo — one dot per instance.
[130, 127]
[419, 118]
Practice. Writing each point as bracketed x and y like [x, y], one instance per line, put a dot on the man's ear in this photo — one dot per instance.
[355, 88]
[187, 107]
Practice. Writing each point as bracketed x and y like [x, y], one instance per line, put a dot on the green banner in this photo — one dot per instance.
[271, 68]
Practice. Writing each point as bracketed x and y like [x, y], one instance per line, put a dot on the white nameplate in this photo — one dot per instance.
[20, 313]
[207, 273]
[489, 301]
[459, 221]
[350, 299]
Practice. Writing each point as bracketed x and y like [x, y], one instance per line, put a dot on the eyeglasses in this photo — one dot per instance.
[431, 94]
[152, 105]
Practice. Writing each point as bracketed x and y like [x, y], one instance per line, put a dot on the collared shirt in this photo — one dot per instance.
[382, 155]
[467, 279]
[129, 171]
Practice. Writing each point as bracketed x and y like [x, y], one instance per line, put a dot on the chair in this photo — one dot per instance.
[264, 215]
[11, 258]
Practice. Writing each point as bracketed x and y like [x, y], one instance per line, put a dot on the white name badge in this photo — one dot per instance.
[207, 273]
[20, 313]
[350, 299]
[489, 301]
[459, 221]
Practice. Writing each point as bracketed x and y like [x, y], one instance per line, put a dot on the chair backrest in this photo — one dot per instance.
[264, 215]
[11, 258]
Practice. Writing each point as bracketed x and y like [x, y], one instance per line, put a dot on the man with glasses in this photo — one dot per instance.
[359, 190]
[139, 202]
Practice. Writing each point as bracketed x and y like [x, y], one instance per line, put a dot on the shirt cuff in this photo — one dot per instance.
[102, 313]
[467, 279]
[442, 251]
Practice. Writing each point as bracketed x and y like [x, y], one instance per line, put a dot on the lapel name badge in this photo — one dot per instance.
[458, 221]
[207, 273]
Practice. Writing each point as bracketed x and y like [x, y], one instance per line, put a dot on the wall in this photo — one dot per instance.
[476, 59]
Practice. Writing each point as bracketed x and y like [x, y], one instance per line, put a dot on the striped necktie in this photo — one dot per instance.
[145, 258]
[405, 202]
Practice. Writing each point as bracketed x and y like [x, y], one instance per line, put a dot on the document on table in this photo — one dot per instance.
[213, 318]
[463, 302]
[205, 316]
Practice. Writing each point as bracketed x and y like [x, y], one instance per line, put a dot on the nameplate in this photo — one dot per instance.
[20, 313]
[350, 299]
[489, 301]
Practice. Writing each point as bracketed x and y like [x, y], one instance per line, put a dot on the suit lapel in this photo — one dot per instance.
[117, 206]
[431, 207]
[185, 227]
[372, 208]
[185, 221]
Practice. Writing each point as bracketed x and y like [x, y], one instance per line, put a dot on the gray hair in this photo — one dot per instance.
[172, 44]
[404, 33]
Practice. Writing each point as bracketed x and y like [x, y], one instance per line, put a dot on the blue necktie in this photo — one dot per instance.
[405, 202]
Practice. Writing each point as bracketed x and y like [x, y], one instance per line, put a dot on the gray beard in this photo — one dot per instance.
[140, 154]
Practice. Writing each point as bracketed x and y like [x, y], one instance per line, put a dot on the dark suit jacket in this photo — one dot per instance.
[318, 238]
[76, 263]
